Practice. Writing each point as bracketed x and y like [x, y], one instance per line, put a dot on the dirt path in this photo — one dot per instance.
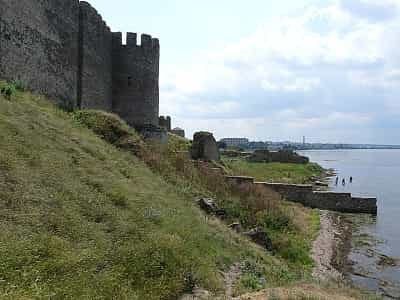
[329, 252]
[231, 278]
[325, 249]
[296, 292]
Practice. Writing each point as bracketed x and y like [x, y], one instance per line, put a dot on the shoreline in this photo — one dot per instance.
[332, 252]
[331, 248]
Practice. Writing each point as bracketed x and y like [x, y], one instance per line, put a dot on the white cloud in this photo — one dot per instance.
[331, 66]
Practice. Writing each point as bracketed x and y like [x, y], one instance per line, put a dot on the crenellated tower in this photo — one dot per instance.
[65, 50]
[135, 79]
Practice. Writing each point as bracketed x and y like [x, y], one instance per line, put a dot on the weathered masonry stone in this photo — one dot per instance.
[304, 194]
[63, 49]
[95, 61]
[341, 202]
[282, 156]
[240, 180]
[135, 79]
[178, 131]
[204, 147]
[291, 192]
[39, 46]
[165, 122]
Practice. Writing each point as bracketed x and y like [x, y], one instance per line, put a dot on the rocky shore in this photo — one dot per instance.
[333, 251]
[341, 243]
[331, 248]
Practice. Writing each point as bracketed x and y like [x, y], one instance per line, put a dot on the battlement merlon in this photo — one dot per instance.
[131, 39]
[146, 41]
[116, 39]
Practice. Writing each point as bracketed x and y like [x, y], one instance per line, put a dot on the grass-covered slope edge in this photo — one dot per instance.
[80, 218]
[83, 218]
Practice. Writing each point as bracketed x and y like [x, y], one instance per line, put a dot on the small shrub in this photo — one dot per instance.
[118, 199]
[19, 85]
[251, 282]
[253, 276]
[293, 249]
[277, 219]
[108, 126]
[177, 143]
[8, 90]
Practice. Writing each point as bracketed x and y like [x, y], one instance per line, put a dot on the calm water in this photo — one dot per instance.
[375, 173]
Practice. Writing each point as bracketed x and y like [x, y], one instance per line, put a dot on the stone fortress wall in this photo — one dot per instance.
[95, 60]
[39, 46]
[64, 50]
[304, 194]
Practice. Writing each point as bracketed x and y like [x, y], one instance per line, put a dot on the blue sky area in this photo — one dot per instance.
[274, 70]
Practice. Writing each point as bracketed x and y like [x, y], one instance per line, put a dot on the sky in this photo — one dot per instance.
[274, 70]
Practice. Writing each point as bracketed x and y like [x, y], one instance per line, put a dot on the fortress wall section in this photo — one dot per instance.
[135, 79]
[165, 122]
[304, 194]
[342, 202]
[39, 46]
[291, 192]
[95, 60]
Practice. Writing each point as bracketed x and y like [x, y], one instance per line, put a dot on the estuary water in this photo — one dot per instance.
[375, 252]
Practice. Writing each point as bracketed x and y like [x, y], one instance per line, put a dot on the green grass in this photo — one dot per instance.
[83, 219]
[295, 251]
[292, 228]
[274, 172]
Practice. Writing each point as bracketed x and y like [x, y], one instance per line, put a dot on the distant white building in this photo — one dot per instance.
[235, 142]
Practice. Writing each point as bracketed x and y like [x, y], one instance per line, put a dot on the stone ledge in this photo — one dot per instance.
[304, 194]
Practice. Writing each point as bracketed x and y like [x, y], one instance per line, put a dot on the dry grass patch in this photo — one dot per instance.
[307, 292]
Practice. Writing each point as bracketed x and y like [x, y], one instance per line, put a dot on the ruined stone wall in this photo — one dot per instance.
[291, 192]
[281, 156]
[135, 79]
[178, 131]
[342, 202]
[39, 46]
[304, 194]
[95, 61]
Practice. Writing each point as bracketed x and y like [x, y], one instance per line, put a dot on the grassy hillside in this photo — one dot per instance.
[81, 217]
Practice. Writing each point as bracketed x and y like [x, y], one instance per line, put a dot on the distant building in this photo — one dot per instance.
[178, 131]
[235, 142]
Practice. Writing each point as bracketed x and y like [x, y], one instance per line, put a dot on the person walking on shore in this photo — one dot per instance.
[344, 182]
[351, 179]
[337, 180]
